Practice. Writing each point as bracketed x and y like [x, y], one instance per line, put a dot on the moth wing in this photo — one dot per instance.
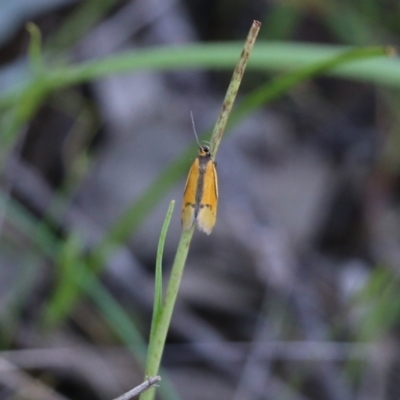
[207, 215]
[189, 196]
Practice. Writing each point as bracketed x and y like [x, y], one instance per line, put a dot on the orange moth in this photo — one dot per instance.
[200, 198]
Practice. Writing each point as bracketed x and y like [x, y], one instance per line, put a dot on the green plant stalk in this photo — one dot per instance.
[233, 88]
[159, 333]
[156, 347]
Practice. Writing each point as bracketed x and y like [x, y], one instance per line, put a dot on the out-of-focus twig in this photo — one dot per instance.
[147, 384]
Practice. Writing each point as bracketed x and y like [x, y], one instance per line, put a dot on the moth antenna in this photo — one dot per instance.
[194, 129]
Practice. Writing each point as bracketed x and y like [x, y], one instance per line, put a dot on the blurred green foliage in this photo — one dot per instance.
[361, 23]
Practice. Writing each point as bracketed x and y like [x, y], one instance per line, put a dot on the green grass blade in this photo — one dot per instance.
[158, 286]
[35, 48]
[266, 56]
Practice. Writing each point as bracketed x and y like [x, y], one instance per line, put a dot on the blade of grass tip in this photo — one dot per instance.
[158, 295]
[160, 334]
[35, 48]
